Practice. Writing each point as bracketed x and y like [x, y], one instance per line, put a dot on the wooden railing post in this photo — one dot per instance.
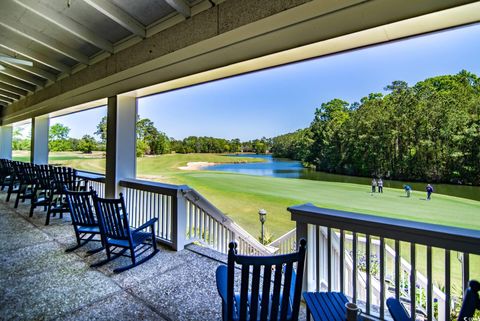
[179, 221]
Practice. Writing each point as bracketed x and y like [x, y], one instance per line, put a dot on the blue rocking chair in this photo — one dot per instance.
[116, 233]
[27, 180]
[43, 189]
[471, 302]
[62, 176]
[261, 299]
[84, 220]
[397, 310]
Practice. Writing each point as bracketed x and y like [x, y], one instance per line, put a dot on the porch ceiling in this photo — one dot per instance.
[85, 50]
[62, 36]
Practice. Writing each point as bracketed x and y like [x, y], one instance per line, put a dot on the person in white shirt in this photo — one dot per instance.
[380, 185]
[374, 185]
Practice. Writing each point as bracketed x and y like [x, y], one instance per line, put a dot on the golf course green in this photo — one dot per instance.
[240, 196]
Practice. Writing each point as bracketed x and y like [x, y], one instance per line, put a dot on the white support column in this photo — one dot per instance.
[6, 141]
[39, 146]
[121, 142]
[179, 221]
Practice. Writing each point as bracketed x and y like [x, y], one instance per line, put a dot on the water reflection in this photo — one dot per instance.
[278, 167]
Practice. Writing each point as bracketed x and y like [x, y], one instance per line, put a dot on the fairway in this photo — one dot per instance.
[240, 196]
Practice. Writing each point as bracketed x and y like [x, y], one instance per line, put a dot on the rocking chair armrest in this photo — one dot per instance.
[221, 277]
[397, 310]
[147, 224]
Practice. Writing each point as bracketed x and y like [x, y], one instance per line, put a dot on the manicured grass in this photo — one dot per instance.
[240, 197]
[24, 156]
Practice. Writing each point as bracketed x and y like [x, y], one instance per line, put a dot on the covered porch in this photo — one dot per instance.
[197, 42]
[39, 281]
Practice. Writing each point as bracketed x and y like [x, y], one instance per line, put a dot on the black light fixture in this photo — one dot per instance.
[262, 214]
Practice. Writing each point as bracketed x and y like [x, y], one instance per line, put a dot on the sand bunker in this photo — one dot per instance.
[195, 166]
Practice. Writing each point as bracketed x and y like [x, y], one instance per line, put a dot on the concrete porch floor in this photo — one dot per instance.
[39, 281]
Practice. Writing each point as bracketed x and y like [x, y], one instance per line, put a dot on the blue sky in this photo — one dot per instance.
[283, 99]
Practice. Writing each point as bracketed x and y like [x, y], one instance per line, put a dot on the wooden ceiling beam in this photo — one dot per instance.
[181, 6]
[16, 83]
[33, 55]
[67, 24]
[118, 15]
[34, 35]
[9, 94]
[23, 76]
[33, 70]
[13, 89]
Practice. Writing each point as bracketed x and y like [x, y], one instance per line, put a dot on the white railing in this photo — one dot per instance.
[184, 215]
[287, 243]
[355, 263]
[177, 204]
[365, 260]
[146, 200]
[207, 224]
[94, 180]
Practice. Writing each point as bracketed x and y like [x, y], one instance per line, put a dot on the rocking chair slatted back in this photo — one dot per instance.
[113, 218]
[44, 175]
[17, 170]
[29, 173]
[257, 300]
[25, 172]
[65, 176]
[6, 166]
[81, 207]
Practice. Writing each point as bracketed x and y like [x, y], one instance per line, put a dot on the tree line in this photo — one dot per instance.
[58, 140]
[150, 141]
[429, 131]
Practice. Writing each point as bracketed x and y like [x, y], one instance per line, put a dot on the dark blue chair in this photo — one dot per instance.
[471, 301]
[26, 181]
[61, 177]
[43, 189]
[262, 298]
[397, 310]
[117, 234]
[6, 172]
[84, 219]
[14, 181]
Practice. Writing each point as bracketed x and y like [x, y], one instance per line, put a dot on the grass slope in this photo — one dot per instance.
[240, 197]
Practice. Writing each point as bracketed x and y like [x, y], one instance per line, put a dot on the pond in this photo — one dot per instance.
[286, 168]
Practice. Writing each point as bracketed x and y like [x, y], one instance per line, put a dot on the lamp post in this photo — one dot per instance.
[262, 214]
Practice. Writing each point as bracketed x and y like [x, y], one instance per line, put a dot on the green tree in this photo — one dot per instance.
[18, 141]
[429, 131]
[235, 145]
[158, 142]
[102, 130]
[58, 138]
[142, 148]
[153, 141]
[87, 144]
[327, 150]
